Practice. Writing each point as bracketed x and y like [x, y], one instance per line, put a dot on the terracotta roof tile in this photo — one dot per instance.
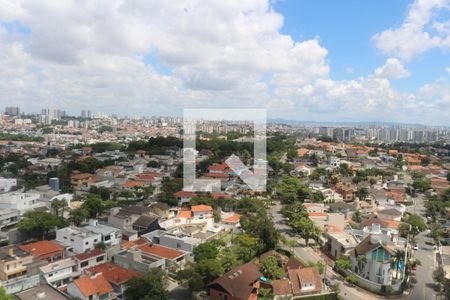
[95, 285]
[114, 273]
[42, 249]
[161, 251]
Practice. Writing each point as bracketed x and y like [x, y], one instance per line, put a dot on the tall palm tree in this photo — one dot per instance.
[361, 261]
[399, 255]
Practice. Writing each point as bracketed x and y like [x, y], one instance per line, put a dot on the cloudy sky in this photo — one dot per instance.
[347, 60]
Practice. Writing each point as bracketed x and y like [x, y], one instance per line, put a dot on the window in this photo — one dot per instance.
[100, 258]
[84, 264]
[107, 238]
[96, 240]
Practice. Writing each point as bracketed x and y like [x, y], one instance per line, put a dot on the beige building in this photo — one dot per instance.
[13, 262]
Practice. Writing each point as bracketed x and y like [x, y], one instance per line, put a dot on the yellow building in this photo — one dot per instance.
[13, 262]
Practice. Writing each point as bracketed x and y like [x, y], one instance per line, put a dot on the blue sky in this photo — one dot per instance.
[334, 60]
[346, 29]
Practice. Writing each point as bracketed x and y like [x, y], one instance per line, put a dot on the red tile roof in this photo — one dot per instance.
[131, 184]
[43, 249]
[235, 218]
[202, 207]
[93, 253]
[95, 285]
[161, 251]
[81, 176]
[114, 273]
[220, 195]
[217, 175]
[185, 214]
[220, 167]
[185, 194]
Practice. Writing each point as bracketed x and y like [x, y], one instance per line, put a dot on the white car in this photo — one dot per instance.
[415, 247]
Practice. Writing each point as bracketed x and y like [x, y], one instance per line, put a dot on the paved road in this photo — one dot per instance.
[423, 290]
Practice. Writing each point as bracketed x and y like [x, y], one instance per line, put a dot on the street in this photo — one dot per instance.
[423, 290]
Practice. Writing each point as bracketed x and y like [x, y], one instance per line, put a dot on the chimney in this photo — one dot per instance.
[11, 251]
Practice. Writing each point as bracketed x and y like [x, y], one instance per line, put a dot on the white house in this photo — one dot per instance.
[61, 272]
[376, 265]
[20, 201]
[111, 236]
[6, 184]
[77, 239]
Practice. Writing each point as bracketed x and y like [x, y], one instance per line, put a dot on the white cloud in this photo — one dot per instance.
[418, 33]
[392, 69]
[108, 56]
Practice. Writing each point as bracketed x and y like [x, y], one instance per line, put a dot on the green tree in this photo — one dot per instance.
[77, 216]
[58, 206]
[151, 286]
[417, 224]
[188, 276]
[356, 216]
[271, 268]
[40, 223]
[291, 189]
[100, 245]
[362, 193]
[343, 263]
[306, 229]
[209, 269]
[205, 251]
[247, 246]
[93, 206]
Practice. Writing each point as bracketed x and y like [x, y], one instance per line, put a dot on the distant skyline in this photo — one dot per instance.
[324, 61]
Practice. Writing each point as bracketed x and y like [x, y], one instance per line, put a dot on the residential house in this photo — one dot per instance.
[7, 184]
[390, 214]
[134, 218]
[202, 211]
[137, 260]
[314, 207]
[347, 190]
[241, 283]
[80, 181]
[116, 275]
[328, 222]
[175, 239]
[378, 251]
[42, 291]
[341, 243]
[44, 250]
[94, 287]
[9, 217]
[22, 202]
[174, 258]
[160, 209]
[61, 272]
[184, 197]
[78, 240]
[305, 281]
[110, 236]
[13, 262]
[90, 258]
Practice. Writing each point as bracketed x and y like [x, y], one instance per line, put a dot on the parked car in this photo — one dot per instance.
[415, 246]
